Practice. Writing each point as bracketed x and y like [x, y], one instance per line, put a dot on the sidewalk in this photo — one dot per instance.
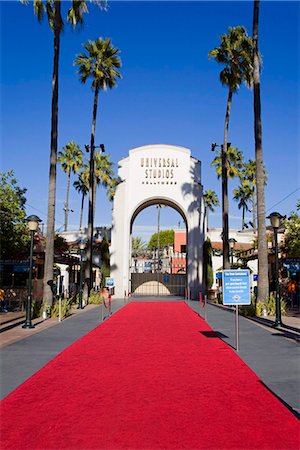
[273, 354]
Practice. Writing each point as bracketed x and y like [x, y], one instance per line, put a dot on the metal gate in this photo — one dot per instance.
[149, 279]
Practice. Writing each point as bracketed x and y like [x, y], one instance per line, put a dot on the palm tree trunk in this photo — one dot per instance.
[225, 208]
[243, 217]
[81, 212]
[95, 193]
[263, 280]
[67, 201]
[49, 254]
[89, 265]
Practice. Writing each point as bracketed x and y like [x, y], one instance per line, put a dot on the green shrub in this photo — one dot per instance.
[248, 310]
[261, 309]
[66, 306]
[36, 308]
[271, 306]
[95, 297]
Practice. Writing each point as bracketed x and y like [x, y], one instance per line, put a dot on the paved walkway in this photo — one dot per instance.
[273, 354]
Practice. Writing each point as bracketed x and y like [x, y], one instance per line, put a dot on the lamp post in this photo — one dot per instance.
[92, 148]
[81, 249]
[275, 219]
[225, 222]
[232, 243]
[32, 223]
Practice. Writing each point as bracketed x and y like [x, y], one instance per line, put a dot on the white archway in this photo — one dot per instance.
[153, 174]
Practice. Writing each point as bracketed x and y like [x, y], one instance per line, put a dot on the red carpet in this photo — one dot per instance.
[153, 376]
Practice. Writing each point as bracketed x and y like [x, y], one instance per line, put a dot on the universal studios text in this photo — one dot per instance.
[159, 168]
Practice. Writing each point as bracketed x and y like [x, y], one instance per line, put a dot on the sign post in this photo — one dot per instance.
[236, 291]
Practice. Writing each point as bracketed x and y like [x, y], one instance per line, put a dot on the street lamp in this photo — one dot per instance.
[275, 219]
[91, 207]
[225, 221]
[232, 243]
[81, 249]
[33, 224]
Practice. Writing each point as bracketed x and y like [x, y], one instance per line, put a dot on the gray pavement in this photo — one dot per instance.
[274, 355]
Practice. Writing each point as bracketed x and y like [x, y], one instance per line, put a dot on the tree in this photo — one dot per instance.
[210, 200]
[100, 64]
[103, 172]
[292, 235]
[234, 159]
[166, 238]
[105, 260]
[235, 53]
[56, 23]
[111, 188]
[14, 235]
[243, 194]
[82, 186]
[138, 246]
[262, 251]
[70, 160]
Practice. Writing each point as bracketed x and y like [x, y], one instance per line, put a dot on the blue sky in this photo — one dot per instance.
[170, 93]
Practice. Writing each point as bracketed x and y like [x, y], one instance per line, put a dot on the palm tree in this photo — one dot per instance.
[262, 252]
[82, 186]
[100, 64]
[70, 160]
[56, 23]
[235, 52]
[103, 173]
[249, 174]
[210, 200]
[234, 159]
[243, 194]
[138, 246]
[111, 188]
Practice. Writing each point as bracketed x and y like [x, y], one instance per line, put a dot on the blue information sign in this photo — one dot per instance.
[236, 287]
[109, 282]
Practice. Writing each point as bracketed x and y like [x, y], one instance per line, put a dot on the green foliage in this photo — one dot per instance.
[166, 238]
[70, 158]
[66, 306]
[271, 306]
[14, 235]
[100, 64]
[138, 246]
[263, 308]
[210, 199]
[208, 274]
[236, 54]
[234, 162]
[105, 260]
[292, 235]
[95, 297]
[37, 308]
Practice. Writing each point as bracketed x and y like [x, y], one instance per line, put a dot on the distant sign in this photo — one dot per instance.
[236, 287]
[292, 265]
[109, 282]
[166, 279]
[255, 277]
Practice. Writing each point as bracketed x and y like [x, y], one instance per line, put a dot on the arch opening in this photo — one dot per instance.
[158, 249]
